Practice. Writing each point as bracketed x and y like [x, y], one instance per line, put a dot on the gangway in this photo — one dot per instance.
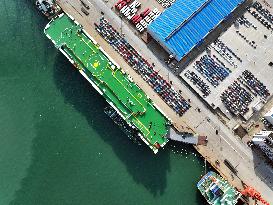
[186, 137]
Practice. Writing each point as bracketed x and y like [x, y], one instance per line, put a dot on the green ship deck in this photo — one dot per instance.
[109, 79]
[217, 191]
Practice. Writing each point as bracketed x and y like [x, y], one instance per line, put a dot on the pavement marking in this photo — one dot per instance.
[227, 142]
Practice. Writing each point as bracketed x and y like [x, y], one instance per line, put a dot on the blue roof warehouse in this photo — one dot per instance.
[186, 23]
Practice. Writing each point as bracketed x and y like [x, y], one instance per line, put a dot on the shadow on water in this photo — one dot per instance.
[55, 158]
[200, 199]
[144, 167]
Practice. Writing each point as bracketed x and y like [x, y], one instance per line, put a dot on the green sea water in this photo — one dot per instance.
[58, 147]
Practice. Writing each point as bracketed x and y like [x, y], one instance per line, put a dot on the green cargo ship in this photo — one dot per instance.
[118, 88]
[217, 191]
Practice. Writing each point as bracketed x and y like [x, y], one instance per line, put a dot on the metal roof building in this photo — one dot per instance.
[187, 22]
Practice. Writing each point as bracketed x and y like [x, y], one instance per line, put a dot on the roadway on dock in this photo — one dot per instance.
[251, 169]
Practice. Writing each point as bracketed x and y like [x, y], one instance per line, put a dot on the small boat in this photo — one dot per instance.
[48, 7]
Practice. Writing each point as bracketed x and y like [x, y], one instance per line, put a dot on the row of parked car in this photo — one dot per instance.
[225, 52]
[260, 18]
[162, 87]
[264, 12]
[211, 70]
[129, 9]
[255, 85]
[251, 43]
[237, 99]
[244, 21]
[200, 84]
[165, 3]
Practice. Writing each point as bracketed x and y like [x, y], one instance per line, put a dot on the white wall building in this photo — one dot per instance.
[269, 116]
[264, 140]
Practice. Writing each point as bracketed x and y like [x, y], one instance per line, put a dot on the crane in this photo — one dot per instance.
[251, 192]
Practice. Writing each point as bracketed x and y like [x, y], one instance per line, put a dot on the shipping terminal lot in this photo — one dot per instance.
[208, 115]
